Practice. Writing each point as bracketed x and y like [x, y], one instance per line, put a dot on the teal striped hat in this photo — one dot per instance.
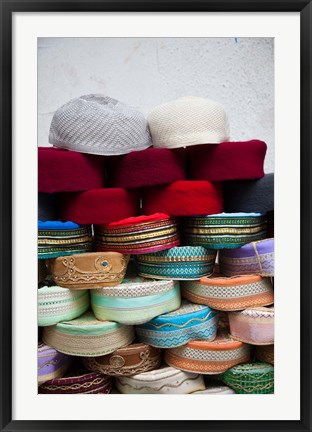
[177, 263]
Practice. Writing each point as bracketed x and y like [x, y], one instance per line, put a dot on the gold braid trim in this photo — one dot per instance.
[205, 259]
[76, 386]
[146, 364]
[102, 274]
[229, 230]
[161, 387]
[248, 389]
[182, 325]
[65, 241]
[138, 237]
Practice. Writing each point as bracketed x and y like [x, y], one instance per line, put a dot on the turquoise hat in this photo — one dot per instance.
[189, 322]
[177, 263]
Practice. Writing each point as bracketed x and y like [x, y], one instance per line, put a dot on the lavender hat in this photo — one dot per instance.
[51, 363]
[252, 258]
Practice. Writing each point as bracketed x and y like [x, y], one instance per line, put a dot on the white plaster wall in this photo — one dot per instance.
[145, 72]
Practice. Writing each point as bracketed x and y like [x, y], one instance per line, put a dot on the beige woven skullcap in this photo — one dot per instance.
[98, 124]
[188, 121]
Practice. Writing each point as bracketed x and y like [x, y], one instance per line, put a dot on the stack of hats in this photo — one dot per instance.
[155, 252]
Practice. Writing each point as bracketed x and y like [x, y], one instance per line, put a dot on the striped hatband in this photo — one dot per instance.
[177, 263]
[62, 238]
[136, 300]
[56, 304]
[224, 230]
[206, 357]
[137, 235]
[87, 337]
[229, 294]
[253, 258]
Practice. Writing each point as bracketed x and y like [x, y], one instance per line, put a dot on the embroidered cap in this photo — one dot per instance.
[56, 304]
[254, 325]
[137, 235]
[178, 263]
[130, 360]
[51, 363]
[87, 337]
[250, 378]
[224, 230]
[230, 294]
[57, 239]
[89, 270]
[166, 380]
[98, 124]
[78, 381]
[189, 322]
[136, 300]
[252, 258]
[206, 357]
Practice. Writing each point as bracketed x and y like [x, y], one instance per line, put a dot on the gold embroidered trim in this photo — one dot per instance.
[102, 274]
[120, 369]
[85, 386]
[58, 373]
[88, 345]
[50, 362]
[178, 384]
[234, 231]
[64, 241]
[182, 325]
[203, 258]
[129, 238]
[141, 245]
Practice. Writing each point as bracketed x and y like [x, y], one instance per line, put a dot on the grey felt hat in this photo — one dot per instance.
[98, 124]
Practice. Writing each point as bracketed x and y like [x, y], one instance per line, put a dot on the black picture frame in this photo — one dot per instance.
[7, 9]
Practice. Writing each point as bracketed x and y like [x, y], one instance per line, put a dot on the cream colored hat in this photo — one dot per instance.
[188, 121]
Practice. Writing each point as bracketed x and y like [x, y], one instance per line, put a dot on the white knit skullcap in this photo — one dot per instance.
[100, 125]
[188, 121]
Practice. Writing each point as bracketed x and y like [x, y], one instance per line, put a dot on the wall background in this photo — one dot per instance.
[145, 72]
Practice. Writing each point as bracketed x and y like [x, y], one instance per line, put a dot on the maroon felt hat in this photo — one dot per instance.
[227, 161]
[149, 167]
[68, 171]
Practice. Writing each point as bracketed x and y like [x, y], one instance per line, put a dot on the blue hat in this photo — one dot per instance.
[189, 322]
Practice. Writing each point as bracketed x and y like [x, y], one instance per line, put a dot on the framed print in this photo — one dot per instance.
[155, 204]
